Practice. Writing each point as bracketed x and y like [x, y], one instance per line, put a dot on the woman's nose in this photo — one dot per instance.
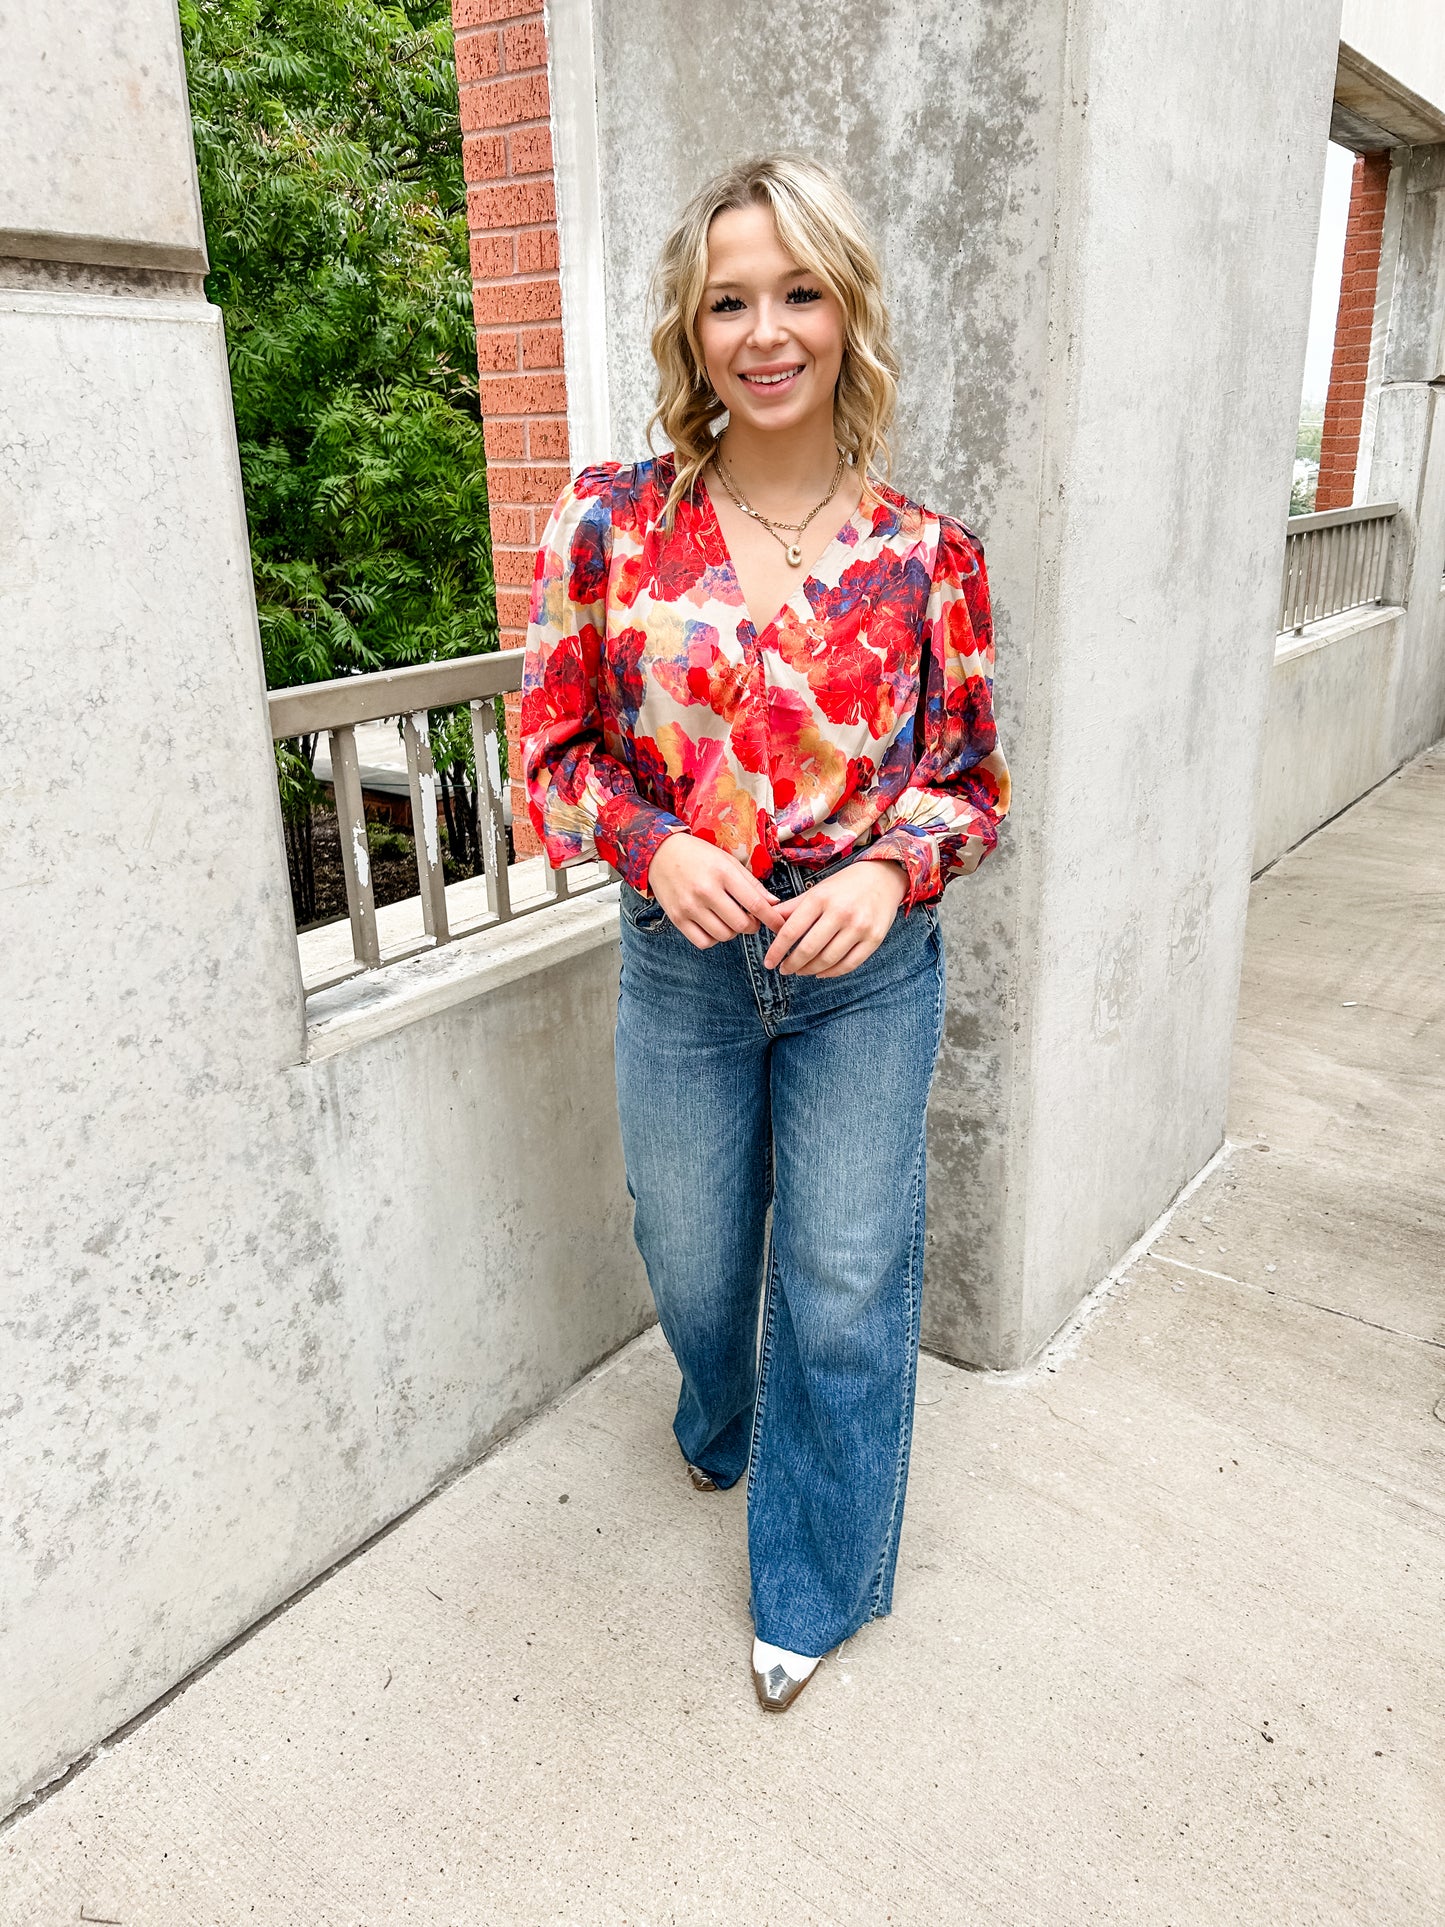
[770, 325]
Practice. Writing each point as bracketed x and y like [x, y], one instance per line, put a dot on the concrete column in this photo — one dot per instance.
[152, 975]
[1407, 455]
[1099, 231]
[252, 1305]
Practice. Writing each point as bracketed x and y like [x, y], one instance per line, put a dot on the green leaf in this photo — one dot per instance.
[329, 151]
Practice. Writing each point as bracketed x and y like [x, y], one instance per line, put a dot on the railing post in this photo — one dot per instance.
[336, 708]
[355, 854]
[489, 813]
[1287, 586]
[421, 776]
[1336, 560]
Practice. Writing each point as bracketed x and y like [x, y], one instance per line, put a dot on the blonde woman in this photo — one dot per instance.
[758, 683]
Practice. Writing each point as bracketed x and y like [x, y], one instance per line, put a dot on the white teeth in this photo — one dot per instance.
[771, 381]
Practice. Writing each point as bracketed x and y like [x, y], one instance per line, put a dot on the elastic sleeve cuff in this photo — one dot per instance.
[919, 857]
[629, 845]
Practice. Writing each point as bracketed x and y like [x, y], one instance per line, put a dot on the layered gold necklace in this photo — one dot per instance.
[794, 549]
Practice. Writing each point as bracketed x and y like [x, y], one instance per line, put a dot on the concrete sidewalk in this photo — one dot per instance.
[1168, 1628]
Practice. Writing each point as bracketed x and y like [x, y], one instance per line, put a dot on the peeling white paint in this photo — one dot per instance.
[429, 825]
[360, 854]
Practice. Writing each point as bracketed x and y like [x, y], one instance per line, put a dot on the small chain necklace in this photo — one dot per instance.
[794, 548]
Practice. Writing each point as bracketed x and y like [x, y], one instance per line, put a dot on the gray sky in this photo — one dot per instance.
[1334, 212]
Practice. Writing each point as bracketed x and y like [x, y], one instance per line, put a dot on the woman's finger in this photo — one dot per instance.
[814, 941]
[860, 953]
[744, 889]
[728, 909]
[802, 915]
[832, 953]
[714, 927]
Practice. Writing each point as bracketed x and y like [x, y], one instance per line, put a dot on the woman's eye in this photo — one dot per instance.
[726, 304]
[801, 294]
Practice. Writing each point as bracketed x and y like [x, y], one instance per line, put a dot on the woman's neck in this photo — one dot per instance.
[773, 468]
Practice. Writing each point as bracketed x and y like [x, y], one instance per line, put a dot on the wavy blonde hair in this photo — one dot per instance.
[821, 228]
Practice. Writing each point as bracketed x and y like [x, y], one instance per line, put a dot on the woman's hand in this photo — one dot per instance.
[839, 923]
[708, 895]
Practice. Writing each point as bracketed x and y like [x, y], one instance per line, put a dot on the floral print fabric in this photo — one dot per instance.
[651, 705]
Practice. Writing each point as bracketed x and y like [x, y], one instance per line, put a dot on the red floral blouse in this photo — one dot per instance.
[650, 703]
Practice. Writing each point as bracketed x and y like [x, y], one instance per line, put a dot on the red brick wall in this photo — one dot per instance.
[1345, 403]
[501, 48]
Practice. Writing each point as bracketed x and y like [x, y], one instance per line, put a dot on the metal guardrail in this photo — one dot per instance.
[335, 708]
[1334, 561]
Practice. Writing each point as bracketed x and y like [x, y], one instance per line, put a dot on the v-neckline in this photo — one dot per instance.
[809, 574]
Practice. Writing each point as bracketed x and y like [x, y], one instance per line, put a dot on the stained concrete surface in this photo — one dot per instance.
[1167, 1633]
[1062, 198]
[252, 1304]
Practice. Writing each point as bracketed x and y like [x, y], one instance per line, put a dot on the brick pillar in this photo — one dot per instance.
[501, 50]
[1345, 403]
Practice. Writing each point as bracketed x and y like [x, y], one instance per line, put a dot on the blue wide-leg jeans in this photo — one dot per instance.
[740, 1088]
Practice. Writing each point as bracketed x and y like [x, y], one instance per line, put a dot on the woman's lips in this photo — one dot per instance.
[775, 381]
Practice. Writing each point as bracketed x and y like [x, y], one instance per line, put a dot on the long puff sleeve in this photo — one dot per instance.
[581, 796]
[946, 819]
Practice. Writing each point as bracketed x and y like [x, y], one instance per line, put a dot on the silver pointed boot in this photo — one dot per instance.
[777, 1688]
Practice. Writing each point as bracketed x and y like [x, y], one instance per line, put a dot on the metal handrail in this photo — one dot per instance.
[335, 708]
[1333, 561]
[312, 706]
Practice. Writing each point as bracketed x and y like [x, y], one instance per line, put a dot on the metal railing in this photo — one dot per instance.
[1334, 561]
[335, 708]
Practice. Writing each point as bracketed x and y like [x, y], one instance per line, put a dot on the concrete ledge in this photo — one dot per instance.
[43, 274]
[101, 250]
[1319, 635]
[369, 1006]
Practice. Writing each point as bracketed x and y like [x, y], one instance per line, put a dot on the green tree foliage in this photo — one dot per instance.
[1307, 457]
[329, 153]
[331, 178]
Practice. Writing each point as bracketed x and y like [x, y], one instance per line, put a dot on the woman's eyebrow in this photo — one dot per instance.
[788, 274]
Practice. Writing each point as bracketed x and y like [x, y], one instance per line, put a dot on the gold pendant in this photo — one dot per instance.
[795, 556]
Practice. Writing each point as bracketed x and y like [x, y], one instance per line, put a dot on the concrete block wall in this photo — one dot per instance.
[501, 53]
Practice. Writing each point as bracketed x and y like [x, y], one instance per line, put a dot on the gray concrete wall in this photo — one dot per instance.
[1406, 456]
[944, 120]
[1404, 39]
[1328, 737]
[1182, 295]
[1355, 698]
[251, 1307]
[1098, 234]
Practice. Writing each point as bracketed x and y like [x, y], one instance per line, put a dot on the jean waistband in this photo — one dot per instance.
[787, 879]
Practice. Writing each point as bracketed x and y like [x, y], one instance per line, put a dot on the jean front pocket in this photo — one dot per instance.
[643, 914]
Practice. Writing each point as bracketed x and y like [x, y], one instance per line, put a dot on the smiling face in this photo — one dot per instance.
[771, 334]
